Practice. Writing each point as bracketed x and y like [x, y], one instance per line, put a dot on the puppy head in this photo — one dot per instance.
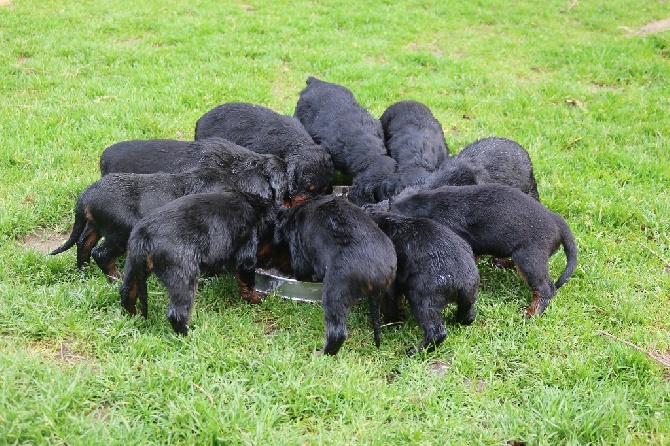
[310, 172]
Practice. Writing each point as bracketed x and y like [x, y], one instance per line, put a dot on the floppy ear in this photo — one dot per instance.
[292, 178]
[278, 179]
[280, 223]
[387, 188]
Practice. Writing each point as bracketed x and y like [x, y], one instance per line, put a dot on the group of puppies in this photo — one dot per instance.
[254, 189]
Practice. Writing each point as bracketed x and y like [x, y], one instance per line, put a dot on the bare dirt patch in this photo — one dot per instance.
[64, 353]
[438, 368]
[44, 240]
[654, 27]
[6, 4]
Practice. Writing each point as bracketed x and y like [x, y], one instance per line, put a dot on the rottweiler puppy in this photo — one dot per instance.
[112, 205]
[415, 139]
[172, 156]
[501, 221]
[333, 241]
[150, 156]
[218, 231]
[435, 267]
[488, 160]
[352, 136]
[262, 130]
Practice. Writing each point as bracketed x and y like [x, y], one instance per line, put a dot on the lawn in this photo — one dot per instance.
[583, 86]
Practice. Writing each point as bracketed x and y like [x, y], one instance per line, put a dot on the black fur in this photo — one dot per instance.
[218, 231]
[435, 267]
[415, 139]
[337, 243]
[501, 221]
[172, 156]
[112, 205]
[488, 160]
[260, 129]
[352, 136]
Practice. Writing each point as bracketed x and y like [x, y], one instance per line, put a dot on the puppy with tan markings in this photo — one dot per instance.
[218, 231]
[501, 221]
[435, 267]
[488, 160]
[111, 206]
[352, 136]
[335, 242]
[262, 130]
[415, 139]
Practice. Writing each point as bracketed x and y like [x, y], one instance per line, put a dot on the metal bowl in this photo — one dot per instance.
[288, 288]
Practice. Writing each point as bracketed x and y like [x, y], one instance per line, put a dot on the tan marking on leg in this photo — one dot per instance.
[132, 297]
[532, 309]
[113, 273]
[247, 294]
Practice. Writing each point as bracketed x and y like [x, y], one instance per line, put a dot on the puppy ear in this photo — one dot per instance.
[280, 223]
[293, 178]
[278, 179]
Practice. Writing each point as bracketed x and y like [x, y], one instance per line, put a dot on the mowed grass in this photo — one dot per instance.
[573, 82]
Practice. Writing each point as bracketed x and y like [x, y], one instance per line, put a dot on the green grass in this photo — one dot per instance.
[587, 97]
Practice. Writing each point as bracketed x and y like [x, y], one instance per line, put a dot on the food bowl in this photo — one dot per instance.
[287, 287]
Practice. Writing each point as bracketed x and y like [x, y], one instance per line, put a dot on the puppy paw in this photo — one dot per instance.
[502, 263]
[253, 297]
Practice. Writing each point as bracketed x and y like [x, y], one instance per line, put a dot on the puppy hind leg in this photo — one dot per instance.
[85, 244]
[427, 311]
[534, 268]
[134, 280]
[393, 303]
[375, 314]
[466, 311]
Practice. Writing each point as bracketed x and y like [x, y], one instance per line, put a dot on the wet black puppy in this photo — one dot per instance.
[112, 205]
[352, 136]
[335, 242]
[218, 231]
[172, 156]
[501, 221]
[150, 156]
[260, 129]
[488, 160]
[415, 139]
[435, 267]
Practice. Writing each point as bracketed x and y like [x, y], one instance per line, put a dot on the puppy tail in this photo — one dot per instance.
[77, 230]
[570, 248]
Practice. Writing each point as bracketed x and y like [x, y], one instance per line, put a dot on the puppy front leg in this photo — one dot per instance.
[105, 257]
[246, 279]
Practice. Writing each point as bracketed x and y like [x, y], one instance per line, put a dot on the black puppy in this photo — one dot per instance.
[251, 170]
[112, 205]
[501, 221]
[337, 243]
[260, 129]
[218, 231]
[350, 134]
[488, 160]
[415, 139]
[435, 267]
[150, 156]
